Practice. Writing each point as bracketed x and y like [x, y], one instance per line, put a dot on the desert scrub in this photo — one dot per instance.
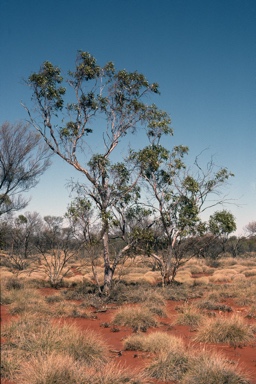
[182, 292]
[250, 272]
[171, 365]
[53, 368]
[233, 331]
[113, 374]
[121, 293]
[33, 335]
[212, 305]
[23, 300]
[154, 342]
[13, 283]
[10, 364]
[138, 318]
[212, 369]
[63, 369]
[189, 315]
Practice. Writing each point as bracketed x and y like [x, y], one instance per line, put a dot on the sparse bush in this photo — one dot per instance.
[53, 299]
[13, 283]
[211, 305]
[233, 331]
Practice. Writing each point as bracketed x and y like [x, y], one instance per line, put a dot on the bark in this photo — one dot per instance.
[108, 271]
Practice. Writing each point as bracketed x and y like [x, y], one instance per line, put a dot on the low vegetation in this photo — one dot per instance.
[212, 368]
[137, 317]
[42, 345]
[229, 330]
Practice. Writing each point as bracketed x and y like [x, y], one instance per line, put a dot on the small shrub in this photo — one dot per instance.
[213, 306]
[14, 283]
[53, 299]
[233, 331]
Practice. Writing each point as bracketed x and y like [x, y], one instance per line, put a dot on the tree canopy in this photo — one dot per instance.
[23, 158]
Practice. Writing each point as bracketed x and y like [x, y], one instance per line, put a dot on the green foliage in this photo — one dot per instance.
[222, 223]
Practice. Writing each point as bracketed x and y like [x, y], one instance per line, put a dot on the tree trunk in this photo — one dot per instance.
[108, 271]
[108, 276]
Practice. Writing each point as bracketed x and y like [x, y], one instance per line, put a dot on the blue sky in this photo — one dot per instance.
[201, 52]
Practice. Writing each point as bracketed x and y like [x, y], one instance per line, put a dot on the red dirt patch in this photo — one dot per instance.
[114, 336]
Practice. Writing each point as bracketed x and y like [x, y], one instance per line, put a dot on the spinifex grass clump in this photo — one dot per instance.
[33, 335]
[52, 368]
[154, 342]
[63, 369]
[189, 315]
[233, 331]
[171, 365]
[209, 368]
[138, 318]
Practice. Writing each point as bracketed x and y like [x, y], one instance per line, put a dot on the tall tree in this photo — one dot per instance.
[105, 106]
[23, 158]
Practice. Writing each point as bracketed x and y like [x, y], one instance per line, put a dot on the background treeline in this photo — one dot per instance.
[30, 242]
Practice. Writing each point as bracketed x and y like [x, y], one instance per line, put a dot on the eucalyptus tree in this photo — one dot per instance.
[221, 225]
[104, 106]
[18, 235]
[23, 158]
[176, 195]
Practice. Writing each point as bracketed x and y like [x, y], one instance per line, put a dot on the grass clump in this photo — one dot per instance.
[208, 368]
[154, 342]
[52, 369]
[63, 369]
[169, 366]
[137, 318]
[212, 305]
[13, 283]
[32, 335]
[10, 364]
[233, 331]
[189, 315]
[113, 374]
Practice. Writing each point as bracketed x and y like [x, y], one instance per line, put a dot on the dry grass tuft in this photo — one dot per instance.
[138, 318]
[212, 368]
[233, 331]
[171, 365]
[189, 315]
[155, 342]
[33, 335]
[52, 368]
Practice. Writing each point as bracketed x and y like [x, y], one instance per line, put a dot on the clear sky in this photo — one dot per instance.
[201, 52]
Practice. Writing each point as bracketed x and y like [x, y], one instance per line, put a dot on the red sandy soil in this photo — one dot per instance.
[245, 356]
